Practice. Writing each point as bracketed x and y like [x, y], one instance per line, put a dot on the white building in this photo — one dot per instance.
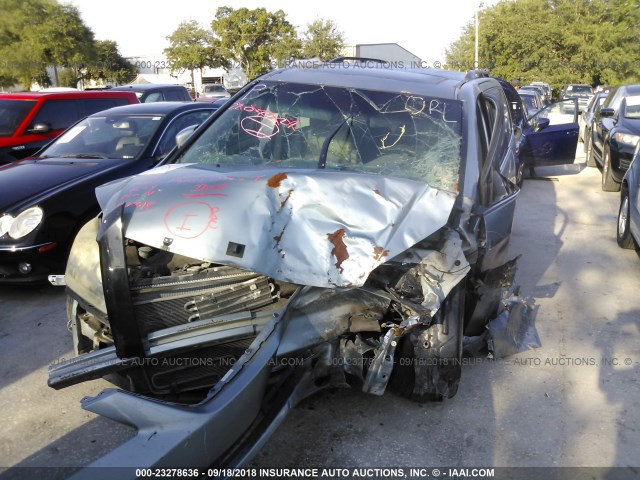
[157, 69]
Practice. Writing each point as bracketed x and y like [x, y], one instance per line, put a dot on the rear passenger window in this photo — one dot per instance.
[494, 129]
[90, 106]
[153, 97]
[60, 114]
[173, 96]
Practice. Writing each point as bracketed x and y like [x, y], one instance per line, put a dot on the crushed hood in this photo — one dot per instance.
[309, 227]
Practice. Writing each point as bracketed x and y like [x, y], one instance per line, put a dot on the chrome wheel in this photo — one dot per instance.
[623, 216]
[624, 237]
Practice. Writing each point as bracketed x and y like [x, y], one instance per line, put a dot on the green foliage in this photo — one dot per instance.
[110, 66]
[36, 34]
[40, 33]
[255, 38]
[193, 47]
[558, 41]
[20, 60]
[323, 40]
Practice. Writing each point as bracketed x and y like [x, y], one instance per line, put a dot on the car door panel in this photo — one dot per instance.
[555, 145]
[495, 231]
[552, 143]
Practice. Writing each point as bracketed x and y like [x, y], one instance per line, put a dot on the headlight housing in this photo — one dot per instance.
[25, 223]
[5, 224]
[627, 138]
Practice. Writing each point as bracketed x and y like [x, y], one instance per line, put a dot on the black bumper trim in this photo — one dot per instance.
[115, 283]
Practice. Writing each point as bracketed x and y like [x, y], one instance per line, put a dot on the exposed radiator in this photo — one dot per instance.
[163, 302]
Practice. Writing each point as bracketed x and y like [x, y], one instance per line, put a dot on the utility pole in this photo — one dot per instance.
[476, 64]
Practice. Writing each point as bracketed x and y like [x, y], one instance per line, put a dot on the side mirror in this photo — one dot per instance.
[183, 135]
[41, 127]
[543, 123]
[607, 112]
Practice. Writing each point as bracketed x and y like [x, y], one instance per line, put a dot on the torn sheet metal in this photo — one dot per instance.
[318, 315]
[503, 322]
[316, 228]
[420, 292]
[431, 280]
[513, 330]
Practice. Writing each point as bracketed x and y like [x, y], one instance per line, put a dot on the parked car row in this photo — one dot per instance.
[581, 92]
[47, 197]
[151, 92]
[536, 95]
[532, 100]
[588, 116]
[610, 130]
[543, 94]
[28, 121]
[614, 135]
[548, 91]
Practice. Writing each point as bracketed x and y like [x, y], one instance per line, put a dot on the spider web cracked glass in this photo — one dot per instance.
[292, 125]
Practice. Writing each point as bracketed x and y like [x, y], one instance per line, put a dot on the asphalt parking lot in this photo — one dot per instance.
[574, 402]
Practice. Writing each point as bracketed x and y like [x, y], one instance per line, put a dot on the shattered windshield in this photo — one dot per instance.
[355, 130]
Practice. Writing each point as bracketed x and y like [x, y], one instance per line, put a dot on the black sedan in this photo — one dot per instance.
[615, 134]
[45, 199]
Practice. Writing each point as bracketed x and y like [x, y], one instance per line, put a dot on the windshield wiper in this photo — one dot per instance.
[83, 155]
[322, 161]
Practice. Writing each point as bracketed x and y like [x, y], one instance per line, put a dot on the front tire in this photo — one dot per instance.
[624, 237]
[588, 148]
[608, 182]
[520, 174]
[428, 362]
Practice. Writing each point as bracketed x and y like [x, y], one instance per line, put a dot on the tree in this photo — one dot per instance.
[21, 61]
[35, 34]
[255, 38]
[323, 40]
[559, 41]
[65, 40]
[193, 47]
[110, 66]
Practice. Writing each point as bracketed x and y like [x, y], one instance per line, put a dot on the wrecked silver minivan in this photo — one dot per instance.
[329, 224]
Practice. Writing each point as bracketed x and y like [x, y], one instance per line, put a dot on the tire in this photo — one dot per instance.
[608, 182]
[520, 174]
[624, 237]
[420, 373]
[588, 148]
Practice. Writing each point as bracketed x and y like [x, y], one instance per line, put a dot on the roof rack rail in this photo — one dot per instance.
[471, 74]
[356, 59]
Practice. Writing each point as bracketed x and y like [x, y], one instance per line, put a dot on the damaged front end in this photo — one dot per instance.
[185, 333]
[219, 291]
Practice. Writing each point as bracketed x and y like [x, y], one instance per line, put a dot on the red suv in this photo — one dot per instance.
[28, 121]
